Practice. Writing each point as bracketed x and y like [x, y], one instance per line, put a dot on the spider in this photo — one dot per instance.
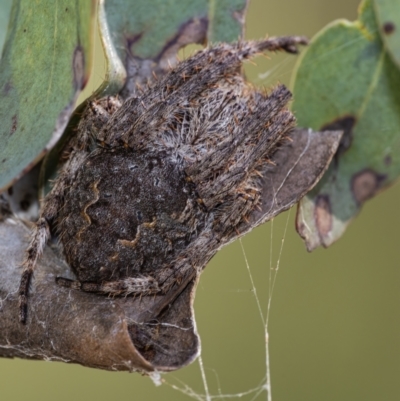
[155, 185]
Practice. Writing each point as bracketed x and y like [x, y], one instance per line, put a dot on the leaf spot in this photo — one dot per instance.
[365, 184]
[78, 66]
[323, 215]
[389, 27]
[131, 40]
[14, 124]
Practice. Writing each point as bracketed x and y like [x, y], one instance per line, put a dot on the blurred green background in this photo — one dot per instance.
[334, 325]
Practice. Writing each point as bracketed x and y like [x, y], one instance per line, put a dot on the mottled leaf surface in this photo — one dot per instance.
[44, 65]
[346, 80]
[388, 17]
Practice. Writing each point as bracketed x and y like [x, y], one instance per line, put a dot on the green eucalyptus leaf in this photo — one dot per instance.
[44, 65]
[347, 80]
[226, 20]
[147, 34]
[388, 16]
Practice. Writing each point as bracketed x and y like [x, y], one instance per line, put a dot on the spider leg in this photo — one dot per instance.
[34, 251]
[143, 285]
[40, 235]
[160, 105]
[225, 176]
[41, 232]
[250, 128]
[288, 44]
[95, 117]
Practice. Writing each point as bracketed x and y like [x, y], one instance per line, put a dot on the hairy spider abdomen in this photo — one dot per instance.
[123, 215]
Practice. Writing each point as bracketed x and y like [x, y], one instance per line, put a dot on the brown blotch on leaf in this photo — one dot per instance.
[142, 71]
[345, 124]
[78, 67]
[323, 215]
[389, 27]
[192, 31]
[240, 16]
[365, 184]
[131, 40]
[14, 124]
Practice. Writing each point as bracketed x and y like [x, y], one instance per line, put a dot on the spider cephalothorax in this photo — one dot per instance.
[152, 187]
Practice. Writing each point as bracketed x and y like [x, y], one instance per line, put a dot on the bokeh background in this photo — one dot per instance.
[334, 326]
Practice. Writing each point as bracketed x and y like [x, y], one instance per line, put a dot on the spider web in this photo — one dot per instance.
[264, 388]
